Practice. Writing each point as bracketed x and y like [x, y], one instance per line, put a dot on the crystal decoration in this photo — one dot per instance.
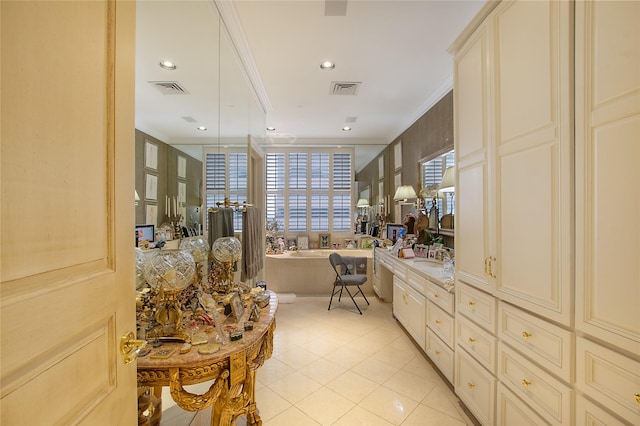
[141, 259]
[226, 249]
[197, 246]
[169, 270]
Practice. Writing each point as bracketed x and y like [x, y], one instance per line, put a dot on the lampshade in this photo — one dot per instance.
[448, 183]
[137, 196]
[362, 202]
[404, 192]
[430, 191]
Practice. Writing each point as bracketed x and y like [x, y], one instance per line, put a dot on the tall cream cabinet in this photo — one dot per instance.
[608, 206]
[547, 232]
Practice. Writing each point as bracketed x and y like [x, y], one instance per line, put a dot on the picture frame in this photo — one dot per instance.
[350, 243]
[336, 246]
[303, 242]
[292, 242]
[421, 250]
[397, 155]
[182, 167]
[366, 243]
[151, 187]
[237, 308]
[324, 241]
[150, 155]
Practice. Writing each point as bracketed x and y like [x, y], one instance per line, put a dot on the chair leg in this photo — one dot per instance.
[354, 300]
[365, 297]
[333, 292]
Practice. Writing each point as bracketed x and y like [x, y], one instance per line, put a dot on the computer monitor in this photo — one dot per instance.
[145, 233]
[392, 231]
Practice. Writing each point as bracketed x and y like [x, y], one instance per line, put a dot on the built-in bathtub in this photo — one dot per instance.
[309, 273]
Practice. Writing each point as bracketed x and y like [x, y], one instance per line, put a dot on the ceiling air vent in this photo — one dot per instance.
[344, 88]
[169, 87]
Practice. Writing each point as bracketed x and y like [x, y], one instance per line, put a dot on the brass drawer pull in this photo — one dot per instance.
[526, 383]
[436, 295]
[637, 397]
[438, 353]
[472, 340]
[486, 267]
[526, 335]
[471, 385]
[471, 303]
[437, 322]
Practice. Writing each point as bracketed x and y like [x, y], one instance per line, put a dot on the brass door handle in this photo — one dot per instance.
[486, 267]
[130, 347]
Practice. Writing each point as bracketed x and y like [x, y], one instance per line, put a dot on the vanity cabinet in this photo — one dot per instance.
[409, 309]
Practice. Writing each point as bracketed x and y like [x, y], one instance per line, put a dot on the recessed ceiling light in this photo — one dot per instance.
[346, 128]
[327, 65]
[202, 128]
[271, 129]
[167, 65]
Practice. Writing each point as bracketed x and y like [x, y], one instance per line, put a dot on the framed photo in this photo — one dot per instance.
[366, 243]
[292, 242]
[150, 155]
[421, 250]
[324, 241]
[336, 246]
[237, 308]
[303, 242]
[151, 187]
[182, 167]
[350, 243]
[397, 156]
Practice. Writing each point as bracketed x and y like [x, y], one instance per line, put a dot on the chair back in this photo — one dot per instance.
[336, 261]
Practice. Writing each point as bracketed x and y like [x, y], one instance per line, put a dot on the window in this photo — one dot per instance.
[432, 172]
[309, 190]
[226, 176]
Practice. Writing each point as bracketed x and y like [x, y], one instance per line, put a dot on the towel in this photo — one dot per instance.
[356, 265]
[252, 243]
[220, 224]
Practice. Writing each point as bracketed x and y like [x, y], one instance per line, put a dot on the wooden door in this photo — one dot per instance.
[67, 212]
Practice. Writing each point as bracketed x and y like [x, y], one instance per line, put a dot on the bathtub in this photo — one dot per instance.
[309, 273]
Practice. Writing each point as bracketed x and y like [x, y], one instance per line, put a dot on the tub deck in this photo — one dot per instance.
[309, 273]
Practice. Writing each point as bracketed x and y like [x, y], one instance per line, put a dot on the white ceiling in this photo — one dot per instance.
[397, 50]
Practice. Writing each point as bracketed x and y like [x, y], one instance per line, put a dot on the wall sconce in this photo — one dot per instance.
[404, 193]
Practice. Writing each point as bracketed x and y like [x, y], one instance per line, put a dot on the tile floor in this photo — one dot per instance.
[341, 368]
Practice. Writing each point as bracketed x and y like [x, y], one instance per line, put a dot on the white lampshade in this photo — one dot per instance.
[404, 192]
[362, 202]
[448, 183]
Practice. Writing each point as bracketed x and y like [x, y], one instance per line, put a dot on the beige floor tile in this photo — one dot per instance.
[292, 416]
[394, 357]
[375, 370]
[443, 400]
[358, 416]
[390, 405]
[297, 358]
[427, 416]
[295, 387]
[353, 386]
[269, 403]
[273, 370]
[325, 406]
[322, 370]
[346, 357]
[408, 384]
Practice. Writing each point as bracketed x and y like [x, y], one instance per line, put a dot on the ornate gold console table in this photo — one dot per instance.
[233, 369]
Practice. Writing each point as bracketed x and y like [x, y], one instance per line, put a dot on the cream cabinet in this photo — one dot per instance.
[513, 98]
[409, 309]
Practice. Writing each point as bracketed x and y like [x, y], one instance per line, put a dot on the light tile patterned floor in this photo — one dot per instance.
[344, 369]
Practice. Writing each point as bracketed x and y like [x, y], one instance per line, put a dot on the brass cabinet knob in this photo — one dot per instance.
[438, 353]
[437, 322]
[637, 397]
[471, 385]
[526, 383]
[436, 295]
[471, 303]
[472, 340]
[526, 335]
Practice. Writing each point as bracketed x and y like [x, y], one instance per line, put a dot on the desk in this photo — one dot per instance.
[233, 367]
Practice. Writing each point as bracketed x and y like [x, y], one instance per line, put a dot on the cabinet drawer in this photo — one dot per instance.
[440, 354]
[478, 343]
[418, 282]
[441, 323]
[547, 395]
[475, 387]
[478, 306]
[441, 297]
[591, 414]
[543, 342]
[510, 410]
[610, 378]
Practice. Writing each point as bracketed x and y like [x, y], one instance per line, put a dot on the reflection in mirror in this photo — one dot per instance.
[434, 204]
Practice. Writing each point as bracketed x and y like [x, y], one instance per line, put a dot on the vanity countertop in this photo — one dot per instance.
[431, 270]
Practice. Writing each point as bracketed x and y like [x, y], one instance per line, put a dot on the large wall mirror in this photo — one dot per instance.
[438, 206]
[206, 105]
